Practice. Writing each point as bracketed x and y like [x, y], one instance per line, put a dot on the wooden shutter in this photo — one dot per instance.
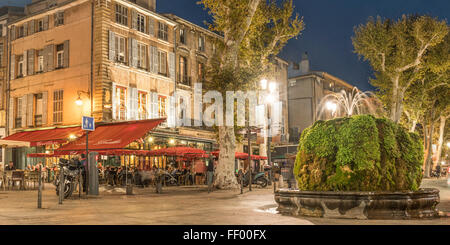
[148, 105]
[112, 46]
[44, 108]
[24, 67]
[155, 63]
[46, 21]
[155, 106]
[29, 109]
[25, 105]
[25, 29]
[134, 48]
[113, 101]
[134, 19]
[11, 113]
[13, 33]
[50, 57]
[130, 51]
[66, 53]
[31, 55]
[133, 103]
[31, 27]
[13, 66]
[128, 103]
[151, 27]
[172, 65]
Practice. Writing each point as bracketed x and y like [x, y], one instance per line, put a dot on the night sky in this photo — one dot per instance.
[329, 27]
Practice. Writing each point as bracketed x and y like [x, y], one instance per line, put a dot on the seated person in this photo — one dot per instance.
[10, 166]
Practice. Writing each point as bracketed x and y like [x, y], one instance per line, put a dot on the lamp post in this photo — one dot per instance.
[271, 87]
[79, 102]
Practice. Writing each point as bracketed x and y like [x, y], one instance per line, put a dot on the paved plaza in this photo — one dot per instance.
[175, 206]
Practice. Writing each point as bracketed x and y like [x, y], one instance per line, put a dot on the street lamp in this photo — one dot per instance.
[79, 101]
[448, 144]
[270, 99]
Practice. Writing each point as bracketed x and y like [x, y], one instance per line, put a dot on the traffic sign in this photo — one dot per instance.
[88, 123]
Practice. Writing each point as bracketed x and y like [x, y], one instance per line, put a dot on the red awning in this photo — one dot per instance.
[113, 136]
[46, 137]
[178, 151]
[43, 155]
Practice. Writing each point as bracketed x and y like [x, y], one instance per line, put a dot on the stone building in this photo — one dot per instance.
[115, 60]
[305, 92]
[7, 15]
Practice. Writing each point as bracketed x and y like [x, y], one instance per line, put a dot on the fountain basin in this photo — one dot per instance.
[419, 204]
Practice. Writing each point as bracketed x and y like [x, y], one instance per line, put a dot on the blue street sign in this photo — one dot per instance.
[88, 123]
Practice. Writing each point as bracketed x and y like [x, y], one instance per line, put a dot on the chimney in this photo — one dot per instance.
[304, 64]
[148, 4]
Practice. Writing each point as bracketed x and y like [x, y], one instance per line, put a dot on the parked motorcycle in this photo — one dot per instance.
[258, 179]
[72, 169]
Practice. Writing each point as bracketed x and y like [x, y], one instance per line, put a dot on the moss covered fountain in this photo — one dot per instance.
[359, 167]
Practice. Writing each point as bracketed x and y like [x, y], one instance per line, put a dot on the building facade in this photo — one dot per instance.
[306, 89]
[115, 60]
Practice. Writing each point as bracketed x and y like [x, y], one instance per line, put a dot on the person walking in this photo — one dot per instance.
[210, 173]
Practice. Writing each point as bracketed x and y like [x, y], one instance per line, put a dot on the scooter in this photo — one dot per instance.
[257, 179]
[72, 169]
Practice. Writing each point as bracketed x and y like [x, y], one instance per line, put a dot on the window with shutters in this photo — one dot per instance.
[58, 96]
[141, 25]
[182, 36]
[40, 61]
[142, 56]
[20, 31]
[162, 106]
[38, 109]
[163, 31]
[1, 30]
[162, 57]
[201, 72]
[120, 48]
[18, 115]
[20, 67]
[40, 25]
[59, 18]
[59, 56]
[201, 43]
[142, 105]
[183, 71]
[121, 15]
[121, 106]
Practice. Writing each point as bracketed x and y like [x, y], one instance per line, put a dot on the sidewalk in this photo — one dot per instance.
[190, 205]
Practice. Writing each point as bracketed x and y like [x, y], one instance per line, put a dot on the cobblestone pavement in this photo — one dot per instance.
[176, 206]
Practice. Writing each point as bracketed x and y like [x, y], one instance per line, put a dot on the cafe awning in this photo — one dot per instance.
[112, 136]
[44, 137]
[178, 151]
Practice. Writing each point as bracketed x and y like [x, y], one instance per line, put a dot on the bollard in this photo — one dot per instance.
[40, 189]
[61, 185]
[274, 186]
[242, 185]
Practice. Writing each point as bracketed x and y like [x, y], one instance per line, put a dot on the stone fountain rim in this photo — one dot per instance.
[357, 193]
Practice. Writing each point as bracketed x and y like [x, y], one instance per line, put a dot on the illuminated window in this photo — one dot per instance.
[162, 106]
[121, 107]
[142, 105]
[59, 56]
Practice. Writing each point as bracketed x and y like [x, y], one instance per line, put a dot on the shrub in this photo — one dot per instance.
[360, 153]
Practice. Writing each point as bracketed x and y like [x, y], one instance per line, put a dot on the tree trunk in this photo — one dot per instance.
[413, 126]
[397, 100]
[441, 138]
[225, 176]
[429, 153]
